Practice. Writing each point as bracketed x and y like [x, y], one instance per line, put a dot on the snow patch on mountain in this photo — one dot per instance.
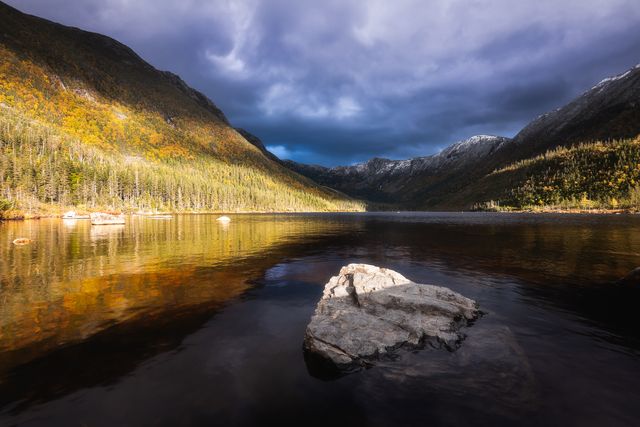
[608, 80]
[457, 154]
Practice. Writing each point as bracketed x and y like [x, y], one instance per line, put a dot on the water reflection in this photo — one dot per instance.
[106, 232]
[148, 303]
[73, 283]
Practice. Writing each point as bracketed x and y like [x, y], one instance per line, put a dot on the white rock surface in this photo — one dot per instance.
[21, 241]
[367, 312]
[101, 218]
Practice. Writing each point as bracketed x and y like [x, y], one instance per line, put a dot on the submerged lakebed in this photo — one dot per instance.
[187, 321]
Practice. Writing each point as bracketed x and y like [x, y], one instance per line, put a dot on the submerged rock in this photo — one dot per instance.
[367, 312]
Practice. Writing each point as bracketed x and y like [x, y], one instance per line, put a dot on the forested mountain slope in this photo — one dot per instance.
[85, 122]
[609, 110]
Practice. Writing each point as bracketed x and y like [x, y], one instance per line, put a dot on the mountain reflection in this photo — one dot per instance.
[71, 284]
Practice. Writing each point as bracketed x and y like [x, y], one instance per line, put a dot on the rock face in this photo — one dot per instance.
[367, 312]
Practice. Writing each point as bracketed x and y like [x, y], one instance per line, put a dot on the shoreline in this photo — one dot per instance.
[572, 211]
[31, 216]
[542, 211]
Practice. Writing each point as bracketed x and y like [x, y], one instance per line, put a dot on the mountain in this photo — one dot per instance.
[609, 110]
[462, 175]
[588, 142]
[85, 122]
[404, 181]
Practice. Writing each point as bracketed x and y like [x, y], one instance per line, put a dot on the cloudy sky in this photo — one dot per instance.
[339, 81]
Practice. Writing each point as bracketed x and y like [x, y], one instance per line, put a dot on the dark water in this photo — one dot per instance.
[191, 322]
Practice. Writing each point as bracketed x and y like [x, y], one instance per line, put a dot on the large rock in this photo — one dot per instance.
[367, 312]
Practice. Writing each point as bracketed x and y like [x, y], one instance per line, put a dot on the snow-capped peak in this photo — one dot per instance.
[475, 143]
[460, 152]
[608, 80]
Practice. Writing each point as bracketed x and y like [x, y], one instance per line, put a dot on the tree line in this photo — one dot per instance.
[39, 166]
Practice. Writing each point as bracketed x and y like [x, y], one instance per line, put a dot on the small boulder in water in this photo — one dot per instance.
[367, 312]
[21, 241]
[223, 219]
[101, 218]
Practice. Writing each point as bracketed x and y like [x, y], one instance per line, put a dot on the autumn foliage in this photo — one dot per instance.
[602, 175]
[85, 122]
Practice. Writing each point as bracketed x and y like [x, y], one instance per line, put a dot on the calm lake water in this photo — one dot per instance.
[190, 322]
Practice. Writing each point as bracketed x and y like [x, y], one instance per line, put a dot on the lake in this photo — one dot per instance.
[187, 321]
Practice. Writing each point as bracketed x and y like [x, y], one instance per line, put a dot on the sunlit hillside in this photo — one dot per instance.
[602, 175]
[86, 123]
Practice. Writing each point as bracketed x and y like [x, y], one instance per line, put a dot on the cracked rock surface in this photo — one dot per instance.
[367, 312]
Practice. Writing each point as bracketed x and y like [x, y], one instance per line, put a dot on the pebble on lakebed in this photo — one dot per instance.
[367, 312]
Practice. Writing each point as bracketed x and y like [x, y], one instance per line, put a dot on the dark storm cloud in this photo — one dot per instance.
[336, 82]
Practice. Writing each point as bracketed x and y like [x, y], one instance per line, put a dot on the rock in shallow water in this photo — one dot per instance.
[101, 218]
[367, 312]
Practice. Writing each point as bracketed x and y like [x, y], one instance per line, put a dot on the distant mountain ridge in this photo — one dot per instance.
[384, 180]
[455, 177]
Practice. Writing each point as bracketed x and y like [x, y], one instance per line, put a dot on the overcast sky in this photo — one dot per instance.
[335, 82]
